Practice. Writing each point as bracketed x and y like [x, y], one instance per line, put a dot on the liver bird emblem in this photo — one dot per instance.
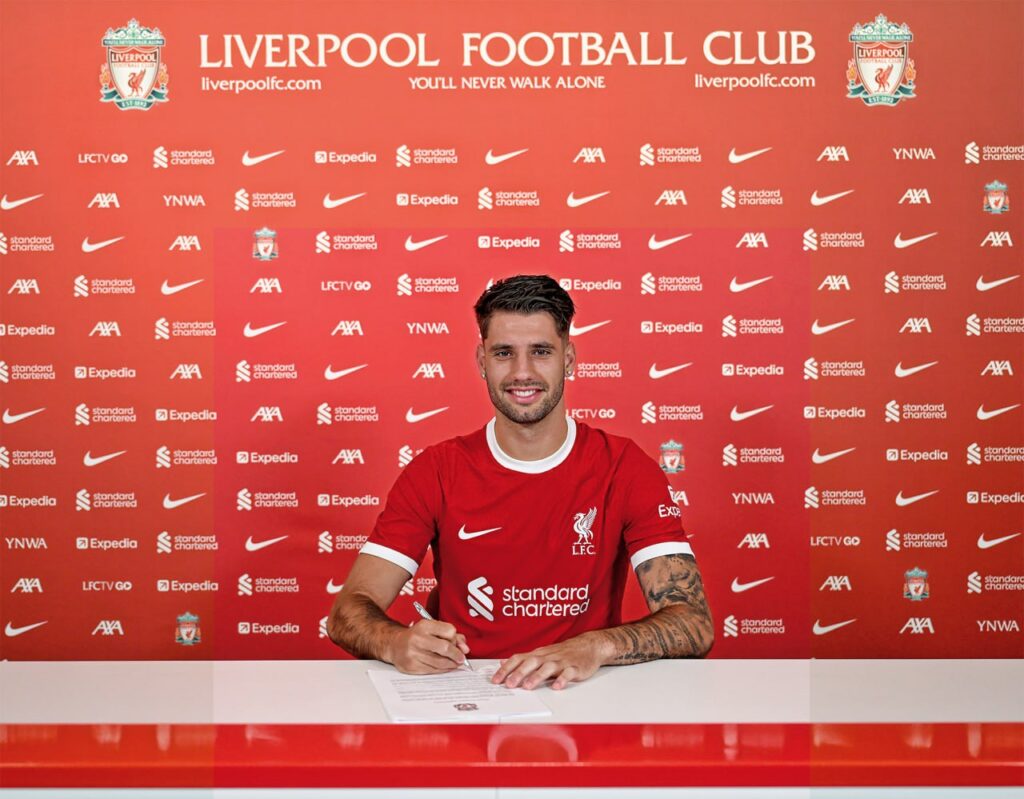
[582, 522]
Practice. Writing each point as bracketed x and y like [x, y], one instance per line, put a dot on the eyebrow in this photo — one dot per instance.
[500, 346]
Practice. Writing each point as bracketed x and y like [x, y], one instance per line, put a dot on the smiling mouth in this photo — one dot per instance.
[524, 395]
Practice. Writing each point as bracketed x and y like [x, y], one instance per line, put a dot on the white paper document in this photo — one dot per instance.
[460, 695]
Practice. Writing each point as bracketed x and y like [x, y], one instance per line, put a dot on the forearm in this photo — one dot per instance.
[359, 626]
[674, 631]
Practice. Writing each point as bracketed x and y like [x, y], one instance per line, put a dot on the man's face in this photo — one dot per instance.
[524, 362]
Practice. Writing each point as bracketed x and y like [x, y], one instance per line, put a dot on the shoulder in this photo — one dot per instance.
[619, 452]
[452, 450]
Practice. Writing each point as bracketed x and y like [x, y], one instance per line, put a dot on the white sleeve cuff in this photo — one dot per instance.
[656, 550]
[391, 555]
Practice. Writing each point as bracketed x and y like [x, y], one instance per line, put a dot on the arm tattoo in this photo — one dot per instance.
[356, 625]
[679, 624]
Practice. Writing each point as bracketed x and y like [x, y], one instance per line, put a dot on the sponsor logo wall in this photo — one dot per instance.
[237, 271]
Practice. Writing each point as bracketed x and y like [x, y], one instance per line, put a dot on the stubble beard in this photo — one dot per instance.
[526, 416]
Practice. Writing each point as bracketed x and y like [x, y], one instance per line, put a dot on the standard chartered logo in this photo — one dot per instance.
[729, 455]
[5, 458]
[324, 543]
[161, 329]
[323, 242]
[972, 153]
[892, 541]
[245, 585]
[403, 156]
[81, 286]
[811, 498]
[244, 499]
[729, 326]
[243, 372]
[649, 413]
[892, 411]
[485, 199]
[160, 158]
[973, 325]
[648, 284]
[810, 369]
[810, 240]
[479, 598]
[83, 501]
[163, 543]
[974, 583]
[163, 458]
[728, 197]
[241, 200]
[974, 454]
[892, 283]
[5, 372]
[405, 456]
[82, 416]
[647, 155]
[566, 241]
[323, 414]
[730, 627]
[404, 286]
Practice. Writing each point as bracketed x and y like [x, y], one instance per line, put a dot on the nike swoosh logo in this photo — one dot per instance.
[167, 289]
[985, 285]
[899, 242]
[900, 371]
[736, 287]
[820, 330]
[11, 418]
[493, 159]
[251, 332]
[579, 331]
[89, 460]
[7, 205]
[332, 588]
[411, 417]
[329, 202]
[902, 501]
[988, 543]
[739, 588]
[171, 504]
[331, 374]
[88, 246]
[654, 244]
[412, 246]
[735, 158]
[983, 414]
[738, 416]
[816, 200]
[817, 457]
[12, 632]
[657, 374]
[820, 629]
[252, 546]
[466, 536]
[575, 202]
[252, 160]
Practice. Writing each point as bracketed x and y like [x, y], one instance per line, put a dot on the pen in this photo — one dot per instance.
[423, 612]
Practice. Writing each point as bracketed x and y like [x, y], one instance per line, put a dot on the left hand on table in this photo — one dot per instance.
[573, 660]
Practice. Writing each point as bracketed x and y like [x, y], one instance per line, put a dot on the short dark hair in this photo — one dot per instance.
[526, 294]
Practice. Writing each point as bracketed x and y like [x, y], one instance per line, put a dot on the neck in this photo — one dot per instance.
[532, 442]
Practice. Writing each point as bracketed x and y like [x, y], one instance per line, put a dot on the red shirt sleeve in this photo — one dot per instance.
[408, 523]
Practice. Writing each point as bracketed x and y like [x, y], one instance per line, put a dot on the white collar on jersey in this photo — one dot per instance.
[532, 467]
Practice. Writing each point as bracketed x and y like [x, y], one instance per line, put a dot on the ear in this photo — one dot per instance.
[480, 358]
[570, 356]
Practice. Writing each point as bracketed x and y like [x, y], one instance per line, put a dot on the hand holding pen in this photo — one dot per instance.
[429, 646]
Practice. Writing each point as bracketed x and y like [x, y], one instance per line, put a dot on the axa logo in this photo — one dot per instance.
[24, 285]
[105, 329]
[834, 153]
[266, 285]
[429, 371]
[752, 240]
[268, 413]
[754, 541]
[27, 585]
[186, 371]
[478, 596]
[836, 582]
[997, 369]
[349, 457]
[348, 327]
[671, 197]
[916, 324]
[23, 158]
[104, 199]
[916, 197]
[997, 238]
[590, 155]
[835, 283]
[918, 625]
[108, 627]
[185, 243]
[582, 525]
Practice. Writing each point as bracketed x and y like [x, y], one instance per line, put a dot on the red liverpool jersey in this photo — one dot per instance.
[529, 553]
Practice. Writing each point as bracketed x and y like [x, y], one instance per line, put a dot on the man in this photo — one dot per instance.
[532, 521]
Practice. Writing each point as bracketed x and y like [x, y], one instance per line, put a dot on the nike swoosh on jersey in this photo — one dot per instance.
[817, 457]
[654, 244]
[657, 374]
[412, 417]
[738, 416]
[983, 414]
[11, 418]
[412, 246]
[579, 331]
[986, 285]
[251, 332]
[575, 202]
[493, 159]
[899, 242]
[739, 588]
[820, 330]
[89, 460]
[330, 202]
[332, 588]
[171, 504]
[12, 632]
[254, 546]
[8, 205]
[818, 201]
[901, 371]
[902, 501]
[737, 158]
[466, 535]
[167, 290]
[88, 246]
[988, 543]
[252, 160]
[823, 629]
[736, 287]
[331, 374]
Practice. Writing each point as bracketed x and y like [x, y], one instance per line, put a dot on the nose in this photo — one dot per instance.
[522, 368]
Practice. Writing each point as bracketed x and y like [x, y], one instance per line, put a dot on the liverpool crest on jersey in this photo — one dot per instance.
[881, 71]
[134, 76]
[582, 525]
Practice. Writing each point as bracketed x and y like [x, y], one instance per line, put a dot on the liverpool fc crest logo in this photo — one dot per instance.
[582, 524]
[880, 72]
[187, 631]
[133, 75]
